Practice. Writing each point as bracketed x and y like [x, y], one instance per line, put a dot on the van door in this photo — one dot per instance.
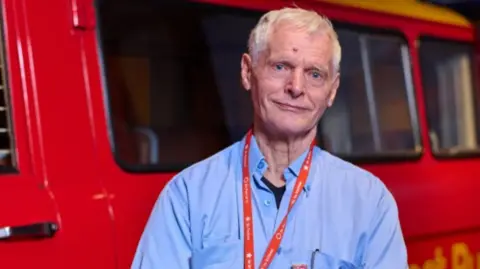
[28, 219]
[54, 211]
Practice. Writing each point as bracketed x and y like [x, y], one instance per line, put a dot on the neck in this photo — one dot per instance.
[280, 151]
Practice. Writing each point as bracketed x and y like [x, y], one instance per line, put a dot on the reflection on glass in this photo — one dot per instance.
[450, 95]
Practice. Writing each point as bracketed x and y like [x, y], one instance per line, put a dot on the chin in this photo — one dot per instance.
[291, 129]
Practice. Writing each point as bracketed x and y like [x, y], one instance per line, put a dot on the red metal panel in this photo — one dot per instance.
[454, 251]
[83, 16]
[58, 180]
[62, 112]
[24, 196]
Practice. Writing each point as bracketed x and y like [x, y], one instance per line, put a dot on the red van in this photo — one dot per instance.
[103, 101]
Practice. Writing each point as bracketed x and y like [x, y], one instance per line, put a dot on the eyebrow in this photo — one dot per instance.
[317, 67]
[289, 62]
[324, 71]
[279, 60]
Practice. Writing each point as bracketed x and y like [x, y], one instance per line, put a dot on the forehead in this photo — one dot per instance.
[288, 40]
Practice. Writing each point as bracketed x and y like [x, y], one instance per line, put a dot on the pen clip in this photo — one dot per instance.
[312, 258]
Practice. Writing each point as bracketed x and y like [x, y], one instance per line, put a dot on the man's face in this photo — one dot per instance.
[293, 81]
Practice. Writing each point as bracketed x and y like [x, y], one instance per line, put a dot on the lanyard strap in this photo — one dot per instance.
[249, 256]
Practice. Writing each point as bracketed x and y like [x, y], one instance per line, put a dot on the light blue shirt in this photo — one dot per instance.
[344, 213]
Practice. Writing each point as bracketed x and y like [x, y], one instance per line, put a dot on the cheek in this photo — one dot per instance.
[320, 99]
[260, 98]
[267, 89]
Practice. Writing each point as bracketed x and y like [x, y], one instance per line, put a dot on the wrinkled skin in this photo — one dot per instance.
[292, 82]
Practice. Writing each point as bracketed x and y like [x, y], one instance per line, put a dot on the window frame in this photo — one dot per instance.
[460, 154]
[12, 169]
[411, 98]
[413, 154]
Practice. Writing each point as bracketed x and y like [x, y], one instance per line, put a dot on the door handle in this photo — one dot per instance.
[36, 230]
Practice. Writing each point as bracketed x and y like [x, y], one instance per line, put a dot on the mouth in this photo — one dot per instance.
[290, 107]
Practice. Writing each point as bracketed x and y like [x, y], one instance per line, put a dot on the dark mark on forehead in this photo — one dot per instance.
[295, 49]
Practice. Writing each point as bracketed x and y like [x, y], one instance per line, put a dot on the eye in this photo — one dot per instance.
[279, 67]
[317, 74]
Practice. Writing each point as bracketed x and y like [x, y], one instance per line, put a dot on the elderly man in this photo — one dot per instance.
[274, 199]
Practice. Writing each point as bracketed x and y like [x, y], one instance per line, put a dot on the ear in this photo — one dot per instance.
[333, 91]
[246, 71]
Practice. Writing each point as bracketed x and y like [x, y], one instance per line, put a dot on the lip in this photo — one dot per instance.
[290, 107]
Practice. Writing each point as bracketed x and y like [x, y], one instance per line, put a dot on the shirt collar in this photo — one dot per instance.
[258, 164]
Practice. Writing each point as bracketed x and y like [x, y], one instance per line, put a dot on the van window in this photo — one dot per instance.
[174, 92]
[7, 153]
[374, 112]
[451, 96]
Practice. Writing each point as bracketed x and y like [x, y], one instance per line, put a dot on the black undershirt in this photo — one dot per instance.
[277, 191]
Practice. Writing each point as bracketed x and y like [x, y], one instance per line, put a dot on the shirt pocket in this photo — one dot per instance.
[320, 260]
[220, 255]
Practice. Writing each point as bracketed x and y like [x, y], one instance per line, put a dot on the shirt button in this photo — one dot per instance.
[267, 202]
[261, 165]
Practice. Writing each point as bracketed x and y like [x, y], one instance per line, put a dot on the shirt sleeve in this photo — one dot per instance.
[166, 240]
[386, 245]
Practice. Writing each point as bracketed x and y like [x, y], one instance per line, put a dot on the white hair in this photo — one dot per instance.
[301, 18]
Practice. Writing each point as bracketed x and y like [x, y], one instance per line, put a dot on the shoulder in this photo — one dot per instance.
[206, 173]
[219, 163]
[352, 179]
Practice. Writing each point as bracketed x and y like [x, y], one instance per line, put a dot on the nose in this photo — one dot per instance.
[296, 85]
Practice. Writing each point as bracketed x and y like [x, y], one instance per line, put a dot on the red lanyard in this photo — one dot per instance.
[249, 256]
